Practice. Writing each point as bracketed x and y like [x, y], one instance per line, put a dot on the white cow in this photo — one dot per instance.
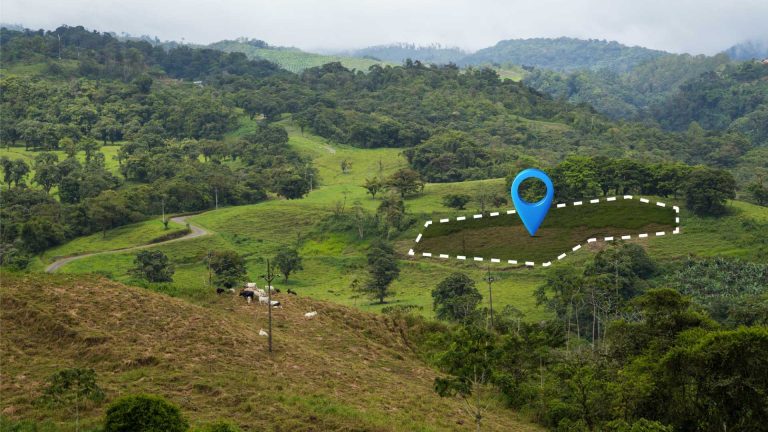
[263, 299]
[251, 285]
[263, 333]
[310, 315]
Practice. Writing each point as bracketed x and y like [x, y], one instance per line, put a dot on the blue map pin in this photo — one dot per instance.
[532, 215]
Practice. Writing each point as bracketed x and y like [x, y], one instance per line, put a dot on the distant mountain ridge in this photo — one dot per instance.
[563, 54]
[748, 50]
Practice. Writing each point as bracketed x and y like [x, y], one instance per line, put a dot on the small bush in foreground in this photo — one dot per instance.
[144, 413]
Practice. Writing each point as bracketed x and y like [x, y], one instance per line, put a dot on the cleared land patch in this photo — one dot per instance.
[500, 236]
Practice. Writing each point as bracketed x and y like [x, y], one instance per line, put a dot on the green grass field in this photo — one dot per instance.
[332, 260]
[118, 238]
[28, 156]
[293, 59]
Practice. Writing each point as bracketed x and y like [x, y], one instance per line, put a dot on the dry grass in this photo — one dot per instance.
[345, 370]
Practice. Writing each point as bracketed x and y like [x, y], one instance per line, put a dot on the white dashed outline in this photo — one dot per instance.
[564, 254]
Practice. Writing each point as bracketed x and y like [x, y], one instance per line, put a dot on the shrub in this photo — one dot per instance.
[144, 413]
[456, 201]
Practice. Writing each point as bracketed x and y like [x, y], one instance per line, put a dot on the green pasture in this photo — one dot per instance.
[118, 238]
[28, 156]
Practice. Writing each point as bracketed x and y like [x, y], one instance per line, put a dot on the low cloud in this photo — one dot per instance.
[700, 26]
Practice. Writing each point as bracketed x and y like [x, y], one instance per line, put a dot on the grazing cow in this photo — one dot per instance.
[251, 285]
[276, 304]
[220, 290]
[263, 299]
[231, 290]
[263, 333]
[290, 291]
[260, 293]
[247, 294]
[310, 315]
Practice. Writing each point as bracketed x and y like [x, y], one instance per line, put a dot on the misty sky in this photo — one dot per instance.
[695, 26]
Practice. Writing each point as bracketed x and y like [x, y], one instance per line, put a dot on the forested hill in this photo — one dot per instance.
[625, 95]
[563, 54]
[673, 91]
[734, 98]
[100, 55]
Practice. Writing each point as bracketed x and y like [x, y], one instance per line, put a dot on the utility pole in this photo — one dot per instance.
[489, 278]
[165, 222]
[269, 277]
[209, 270]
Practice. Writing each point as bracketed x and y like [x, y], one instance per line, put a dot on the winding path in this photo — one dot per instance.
[195, 232]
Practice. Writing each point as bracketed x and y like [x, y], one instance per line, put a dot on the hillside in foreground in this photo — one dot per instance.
[344, 370]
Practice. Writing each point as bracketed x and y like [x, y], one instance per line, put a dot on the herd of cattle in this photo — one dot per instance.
[251, 292]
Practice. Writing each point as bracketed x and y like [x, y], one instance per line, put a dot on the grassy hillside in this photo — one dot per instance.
[293, 59]
[325, 373]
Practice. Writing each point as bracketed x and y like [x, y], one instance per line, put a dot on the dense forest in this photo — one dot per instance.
[674, 92]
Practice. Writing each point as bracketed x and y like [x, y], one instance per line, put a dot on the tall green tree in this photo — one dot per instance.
[107, 210]
[153, 266]
[383, 268]
[288, 261]
[707, 191]
[373, 186]
[47, 172]
[228, 268]
[292, 186]
[406, 182]
[455, 298]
